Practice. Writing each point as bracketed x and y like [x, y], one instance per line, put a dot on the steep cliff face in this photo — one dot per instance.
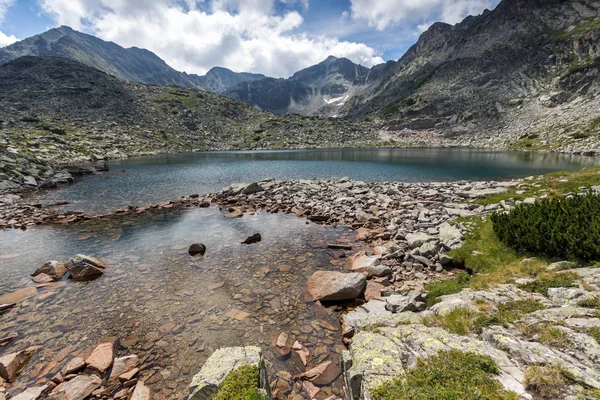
[133, 64]
[318, 90]
[479, 73]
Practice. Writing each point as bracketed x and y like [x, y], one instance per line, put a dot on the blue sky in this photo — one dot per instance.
[274, 37]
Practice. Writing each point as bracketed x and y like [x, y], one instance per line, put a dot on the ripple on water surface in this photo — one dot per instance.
[165, 306]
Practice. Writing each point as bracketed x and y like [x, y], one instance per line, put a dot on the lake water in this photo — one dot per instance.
[170, 309]
[146, 180]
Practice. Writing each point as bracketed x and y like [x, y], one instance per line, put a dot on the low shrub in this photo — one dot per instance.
[563, 227]
[447, 375]
[241, 384]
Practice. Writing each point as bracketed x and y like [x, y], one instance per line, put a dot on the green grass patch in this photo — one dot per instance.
[590, 303]
[595, 333]
[241, 384]
[551, 280]
[460, 321]
[447, 375]
[443, 288]
[546, 333]
[547, 381]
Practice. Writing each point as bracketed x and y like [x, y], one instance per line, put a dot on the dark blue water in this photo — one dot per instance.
[146, 180]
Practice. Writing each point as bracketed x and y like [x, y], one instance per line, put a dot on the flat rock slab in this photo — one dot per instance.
[55, 269]
[121, 366]
[33, 393]
[18, 296]
[101, 358]
[141, 392]
[77, 388]
[335, 286]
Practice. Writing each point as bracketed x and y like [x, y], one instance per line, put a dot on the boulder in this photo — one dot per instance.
[253, 188]
[418, 239]
[55, 269]
[85, 268]
[413, 301]
[12, 364]
[334, 286]
[197, 249]
[78, 388]
[449, 233]
[224, 361]
[101, 358]
[74, 366]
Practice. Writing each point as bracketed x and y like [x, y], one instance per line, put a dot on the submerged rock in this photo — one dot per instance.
[78, 388]
[85, 268]
[334, 286]
[101, 358]
[12, 364]
[253, 239]
[54, 269]
[197, 249]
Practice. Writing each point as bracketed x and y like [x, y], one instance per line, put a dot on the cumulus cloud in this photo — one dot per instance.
[384, 13]
[5, 39]
[243, 35]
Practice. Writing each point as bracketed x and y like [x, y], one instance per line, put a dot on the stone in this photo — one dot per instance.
[101, 358]
[253, 188]
[370, 266]
[448, 233]
[197, 249]
[75, 365]
[141, 392]
[418, 239]
[221, 363]
[234, 213]
[43, 278]
[55, 269]
[253, 239]
[562, 265]
[335, 286]
[78, 388]
[33, 393]
[121, 366]
[85, 268]
[18, 296]
[412, 302]
[12, 364]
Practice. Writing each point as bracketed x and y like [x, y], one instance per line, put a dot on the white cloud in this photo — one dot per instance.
[384, 13]
[4, 6]
[5, 39]
[243, 35]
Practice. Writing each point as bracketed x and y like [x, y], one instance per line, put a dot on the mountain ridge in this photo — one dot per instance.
[132, 64]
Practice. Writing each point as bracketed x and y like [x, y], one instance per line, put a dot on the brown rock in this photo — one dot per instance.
[55, 269]
[127, 376]
[12, 364]
[85, 268]
[234, 213]
[141, 392]
[43, 278]
[314, 373]
[334, 286]
[75, 365]
[6, 341]
[18, 296]
[77, 388]
[33, 393]
[283, 345]
[121, 366]
[101, 358]
[373, 290]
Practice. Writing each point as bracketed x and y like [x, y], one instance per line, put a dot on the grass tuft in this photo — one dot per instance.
[551, 280]
[547, 333]
[241, 384]
[447, 375]
[547, 381]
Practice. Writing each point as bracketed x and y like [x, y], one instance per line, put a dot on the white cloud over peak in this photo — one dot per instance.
[194, 36]
[5, 39]
[383, 13]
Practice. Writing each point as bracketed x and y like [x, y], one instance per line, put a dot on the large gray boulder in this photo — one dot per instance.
[220, 364]
[335, 286]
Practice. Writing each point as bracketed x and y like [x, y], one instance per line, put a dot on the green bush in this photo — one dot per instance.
[563, 227]
[448, 375]
[241, 384]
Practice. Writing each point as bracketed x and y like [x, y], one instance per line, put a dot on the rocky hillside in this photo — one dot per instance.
[133, 64]
[318, 90]
[61, 110]
[525, 71]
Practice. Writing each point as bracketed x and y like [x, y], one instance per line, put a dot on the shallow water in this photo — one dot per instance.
[169, 308]
[146, 180]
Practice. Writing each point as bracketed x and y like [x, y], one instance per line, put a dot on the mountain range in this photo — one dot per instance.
[524, 75]
[133, 64]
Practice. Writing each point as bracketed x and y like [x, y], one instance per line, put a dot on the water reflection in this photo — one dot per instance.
[170, 309]
[148, 180]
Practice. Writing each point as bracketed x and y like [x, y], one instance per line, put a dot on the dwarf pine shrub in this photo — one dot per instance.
[567, 228]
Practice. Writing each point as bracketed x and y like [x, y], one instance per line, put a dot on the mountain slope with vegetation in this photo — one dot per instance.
[59, 109]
